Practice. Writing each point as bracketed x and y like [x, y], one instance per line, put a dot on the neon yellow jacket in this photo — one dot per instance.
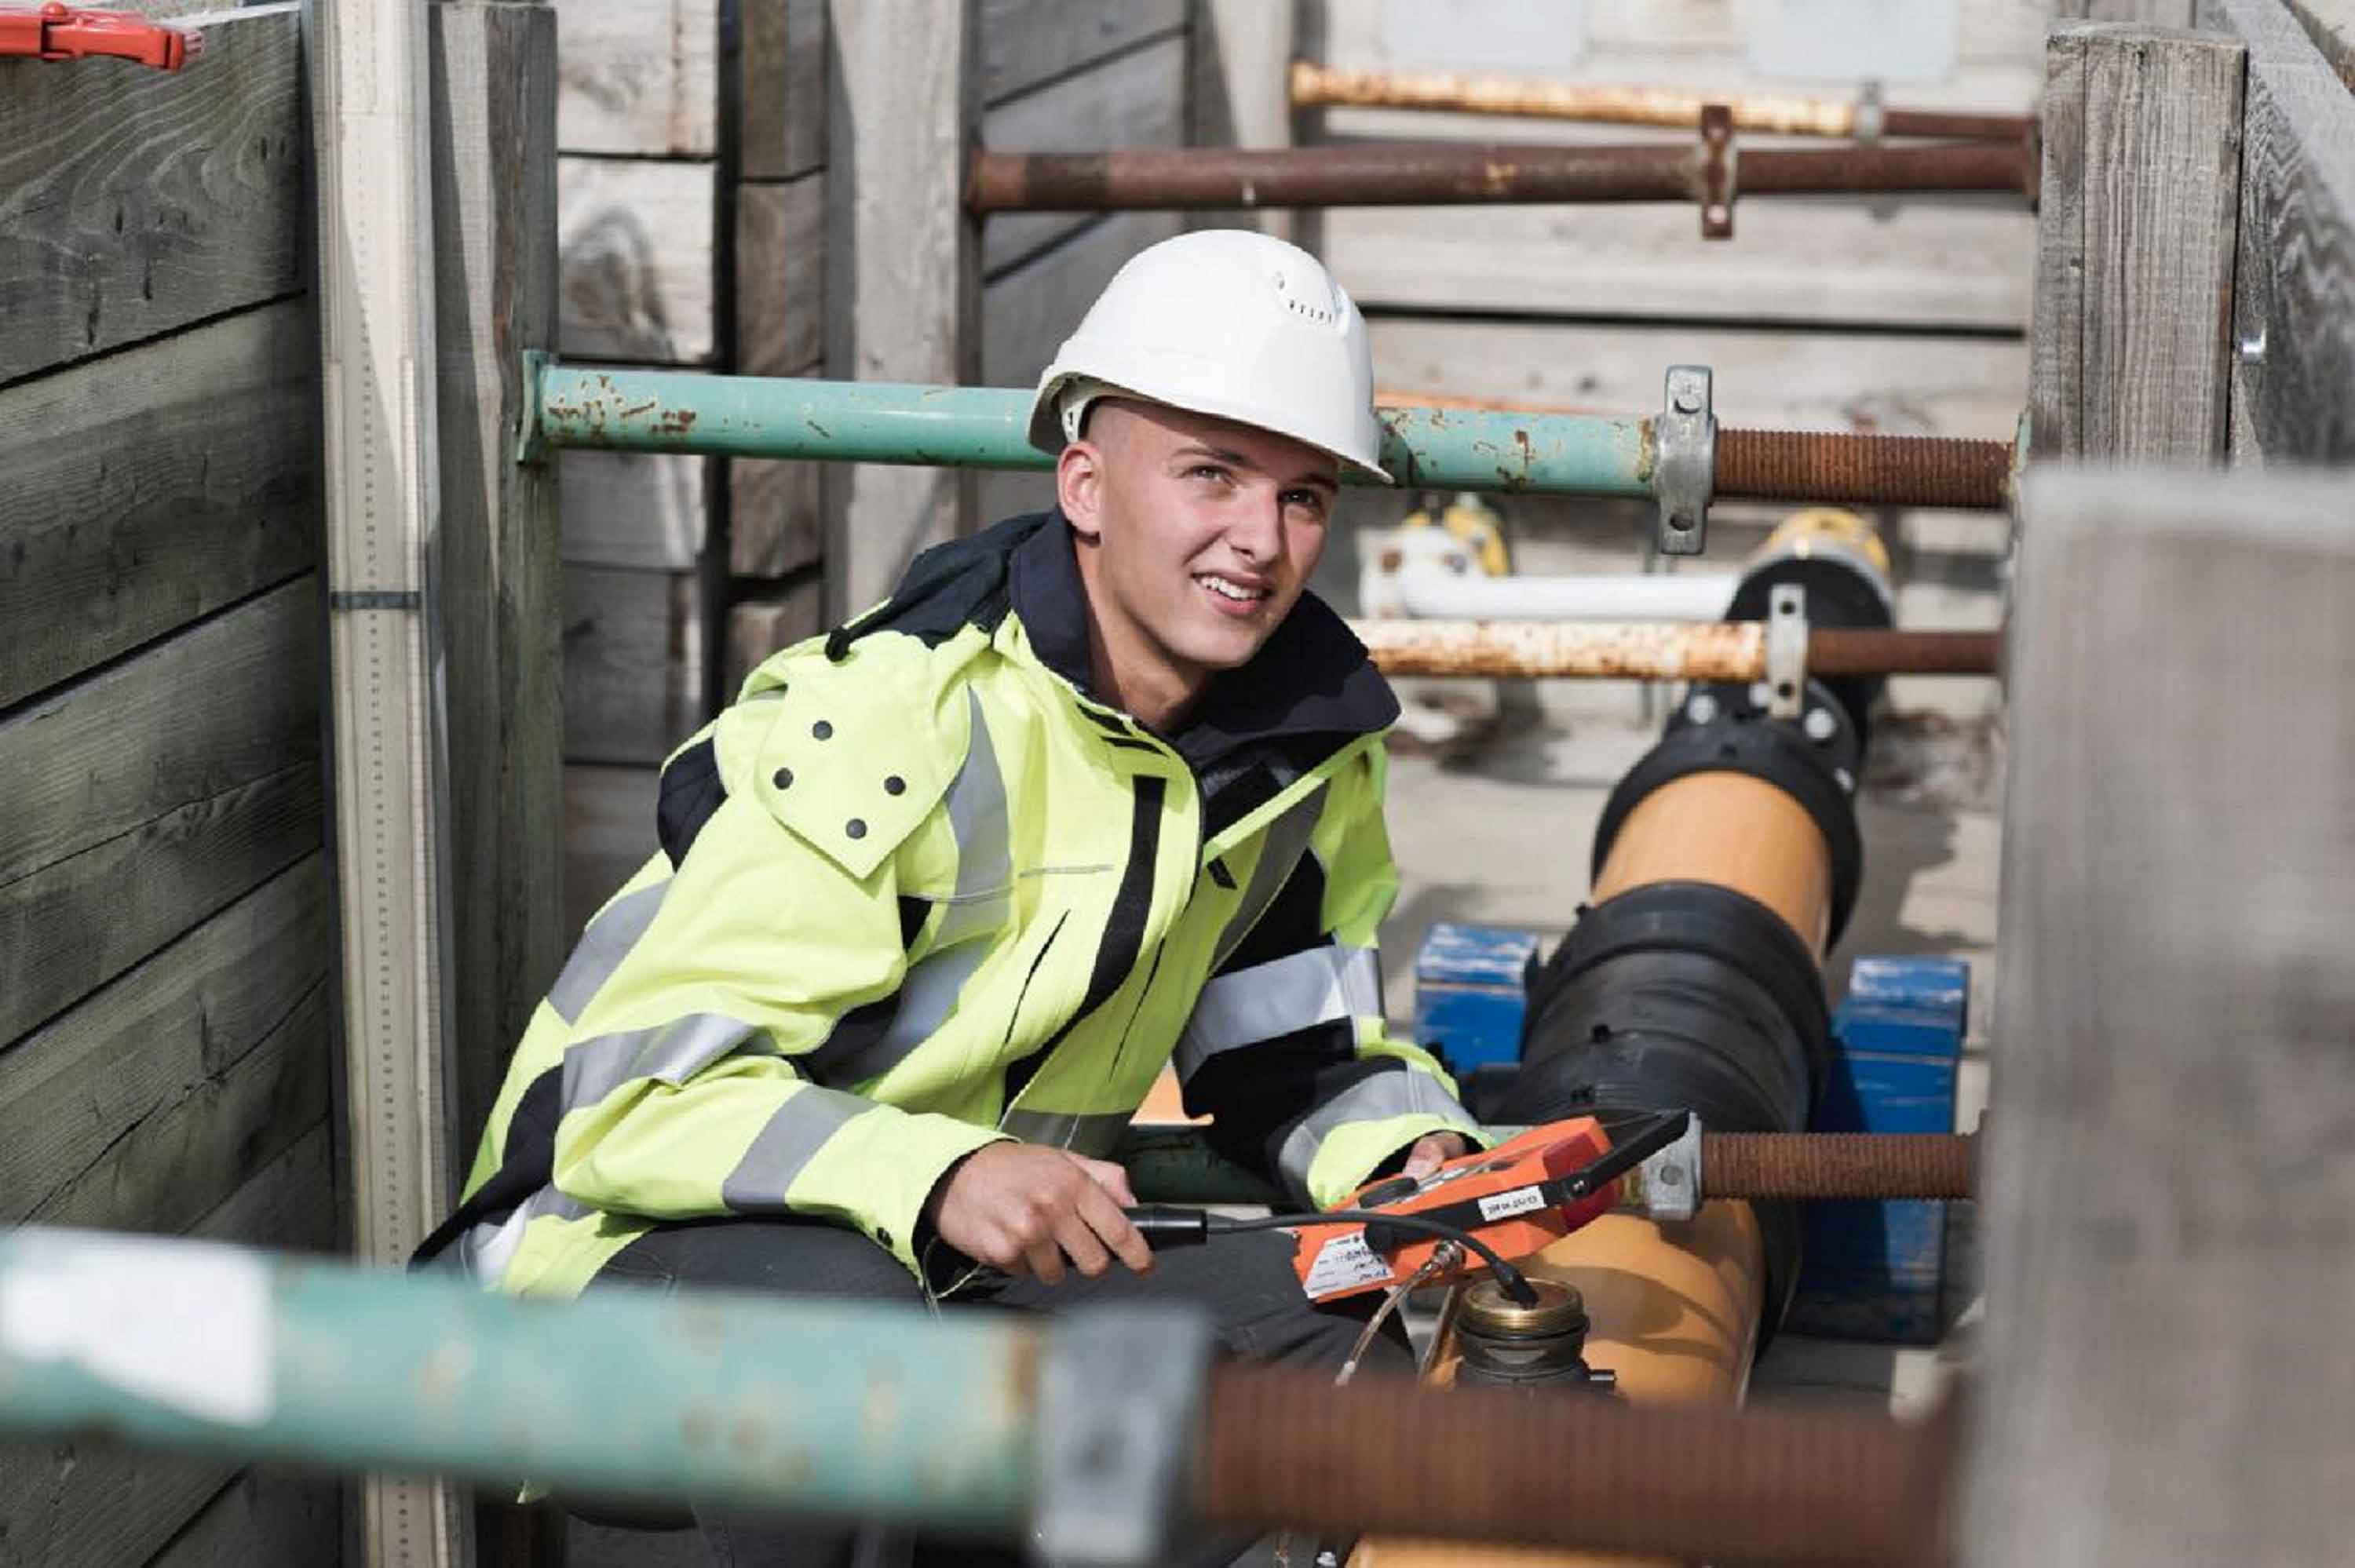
[918, 892]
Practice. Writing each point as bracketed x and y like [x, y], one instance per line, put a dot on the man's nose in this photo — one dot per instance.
[1258, 534]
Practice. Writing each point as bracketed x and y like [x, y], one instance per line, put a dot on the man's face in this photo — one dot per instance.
[1197, 535]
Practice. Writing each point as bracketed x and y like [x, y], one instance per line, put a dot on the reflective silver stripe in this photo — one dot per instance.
[1284, 841]
[1296, 991]
[485, 1251]
[601, 949]
[668, 1053]
[1377, 1097]
[980, 905]
[1088, 1132]
[794, 1133]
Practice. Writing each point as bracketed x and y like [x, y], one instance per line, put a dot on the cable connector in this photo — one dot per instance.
[60, 32]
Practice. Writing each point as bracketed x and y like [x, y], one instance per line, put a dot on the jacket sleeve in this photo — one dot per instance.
[1286, 1050]
[693, 1072]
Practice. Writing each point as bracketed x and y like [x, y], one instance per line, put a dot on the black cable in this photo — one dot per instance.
[1508, 1277]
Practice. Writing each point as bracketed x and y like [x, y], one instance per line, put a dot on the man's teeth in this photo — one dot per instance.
[1225, 590]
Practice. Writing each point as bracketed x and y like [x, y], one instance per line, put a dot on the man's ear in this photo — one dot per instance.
[1078, 488]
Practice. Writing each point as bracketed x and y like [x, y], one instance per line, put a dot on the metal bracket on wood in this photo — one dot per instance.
[531, 446]
[1717, 158]
[1684, 461]
[1787, 650]
[1120, 1413]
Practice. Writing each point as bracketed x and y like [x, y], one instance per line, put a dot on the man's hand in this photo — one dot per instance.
[1024, 1209]
[1432, 1150]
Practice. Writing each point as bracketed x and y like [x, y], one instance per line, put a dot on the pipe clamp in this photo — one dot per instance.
[1787, 650]
[1666, 1186]
[1121, 1393]
[1684, 461]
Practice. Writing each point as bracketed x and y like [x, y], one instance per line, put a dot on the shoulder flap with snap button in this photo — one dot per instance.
[859, 752]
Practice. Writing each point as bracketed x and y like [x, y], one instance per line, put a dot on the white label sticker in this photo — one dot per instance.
[1513, 1200]
[1345, 1263]
[183, 1324]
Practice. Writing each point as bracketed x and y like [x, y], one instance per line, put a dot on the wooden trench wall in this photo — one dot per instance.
[167, 1028]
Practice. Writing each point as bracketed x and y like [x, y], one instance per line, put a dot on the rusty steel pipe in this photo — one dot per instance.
[1615, 104]
[1807, 1166]
[1664, 650]
[1872, 470]
[1429, 174]
[1282, 1447]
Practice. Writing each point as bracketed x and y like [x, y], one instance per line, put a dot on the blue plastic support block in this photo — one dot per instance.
[1877, 1270]
[1470, 992]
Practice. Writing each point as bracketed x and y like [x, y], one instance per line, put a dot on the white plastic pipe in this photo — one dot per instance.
[1433, 592]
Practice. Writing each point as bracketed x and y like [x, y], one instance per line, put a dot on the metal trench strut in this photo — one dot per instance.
[1097, 1437]
[1681, 459]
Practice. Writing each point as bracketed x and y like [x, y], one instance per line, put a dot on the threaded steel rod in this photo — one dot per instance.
[1385, 174]
[1819, 1165]
[1314, 86]
[1895, 471]
[1284, 1447]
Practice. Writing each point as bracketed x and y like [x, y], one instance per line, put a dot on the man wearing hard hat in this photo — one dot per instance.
[1095, 791]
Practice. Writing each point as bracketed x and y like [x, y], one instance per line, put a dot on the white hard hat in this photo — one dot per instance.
[1226, 322]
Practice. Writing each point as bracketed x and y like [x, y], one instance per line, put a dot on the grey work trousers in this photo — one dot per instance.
[1245, 1282]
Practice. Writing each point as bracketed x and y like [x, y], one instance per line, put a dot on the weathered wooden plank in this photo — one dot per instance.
[633, 664]
[783, 96]
[1952, 264]
[494, 103]
[639, 78]
[1894, 383]
[609, 832]
[2134, 244]
[2294, 286]
[263, 1517]
[134, 202]
[153, 486]
[75, 1088]
[903, 276]
[1239, 86]
[781, 276]
[1028, 313]
[635, 248]
[1134, 100]
[2172, 947]
[83, 1501]
[1022, 43]
[2332, 25]
[172, 1168]
[776, 517]
[645, 510]
[228, 701]
[759, 627]
[70, 927]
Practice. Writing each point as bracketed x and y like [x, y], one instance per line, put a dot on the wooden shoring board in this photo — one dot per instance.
[2134, 243]
[2167, 1374]
[376, 267]
[2293, 284]
[136, 202]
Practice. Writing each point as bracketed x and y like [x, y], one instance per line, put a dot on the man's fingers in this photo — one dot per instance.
[1080, 1243]
[1045, 1262]
[1112, 1178]
[1431, 1151]
[1103, 1216]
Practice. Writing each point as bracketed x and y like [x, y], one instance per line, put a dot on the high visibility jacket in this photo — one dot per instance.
[919, 890]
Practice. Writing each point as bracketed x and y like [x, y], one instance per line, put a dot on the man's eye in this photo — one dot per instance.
[1313, 500]
[1206, 471]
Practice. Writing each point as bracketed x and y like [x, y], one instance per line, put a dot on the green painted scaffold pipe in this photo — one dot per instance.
[984, 427]
[807, 1405]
